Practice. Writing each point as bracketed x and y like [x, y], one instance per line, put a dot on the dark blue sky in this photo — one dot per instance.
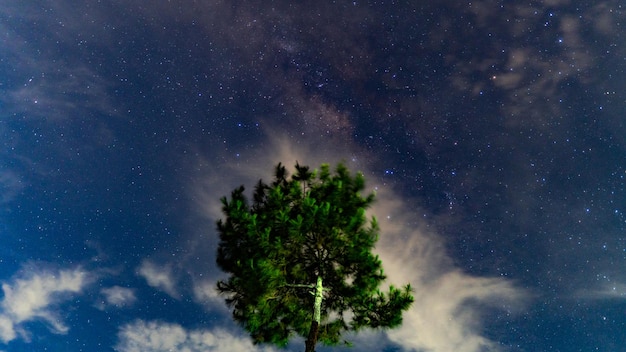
[492, 132]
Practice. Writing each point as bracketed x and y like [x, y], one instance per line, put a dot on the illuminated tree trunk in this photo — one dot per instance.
[311, 341]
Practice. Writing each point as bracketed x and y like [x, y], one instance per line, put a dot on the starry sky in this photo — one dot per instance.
[492, 132]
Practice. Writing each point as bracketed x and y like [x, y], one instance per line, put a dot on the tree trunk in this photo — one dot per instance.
[311, 340]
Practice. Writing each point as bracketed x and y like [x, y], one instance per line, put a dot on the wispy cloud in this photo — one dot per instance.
[155, 336]
[10, 185]
[614, 290]
[117, 296]
[53, 86]
[449, 304]
[160, 277]
[205, 293]
[33, 296]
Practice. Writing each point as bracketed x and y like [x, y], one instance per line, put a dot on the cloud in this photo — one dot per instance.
[206, 294]
[10, 186]
[449, 304]
[448, 313]
[159, 277]
[614, 290]
[154, 336]
[32, 296]
[118, 296]
[57, 87]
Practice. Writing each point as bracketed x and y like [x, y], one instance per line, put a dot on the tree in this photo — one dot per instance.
[300, 259]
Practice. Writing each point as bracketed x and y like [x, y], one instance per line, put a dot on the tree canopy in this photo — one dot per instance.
[300, 261]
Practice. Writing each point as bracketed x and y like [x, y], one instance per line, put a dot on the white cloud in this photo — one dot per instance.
[449, 305]
[442, 318]
[7, 330]
[32, 297]
[206, 293]
[154, 336]
[119, 296]
[159, 277]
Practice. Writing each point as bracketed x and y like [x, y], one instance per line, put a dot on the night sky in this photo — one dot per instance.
[492, 132]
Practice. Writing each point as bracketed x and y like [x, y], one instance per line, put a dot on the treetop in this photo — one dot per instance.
[300, 229]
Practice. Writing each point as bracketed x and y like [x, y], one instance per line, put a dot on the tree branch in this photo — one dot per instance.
[300, 285]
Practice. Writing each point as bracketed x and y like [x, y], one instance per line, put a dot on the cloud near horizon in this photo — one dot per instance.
[156, 336]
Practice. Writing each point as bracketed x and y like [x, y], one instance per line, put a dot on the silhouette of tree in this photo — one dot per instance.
[300, 259]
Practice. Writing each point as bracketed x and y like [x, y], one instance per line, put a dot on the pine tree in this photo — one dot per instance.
[300, 259]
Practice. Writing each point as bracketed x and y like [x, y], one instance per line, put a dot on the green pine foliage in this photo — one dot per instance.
[296, 229]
